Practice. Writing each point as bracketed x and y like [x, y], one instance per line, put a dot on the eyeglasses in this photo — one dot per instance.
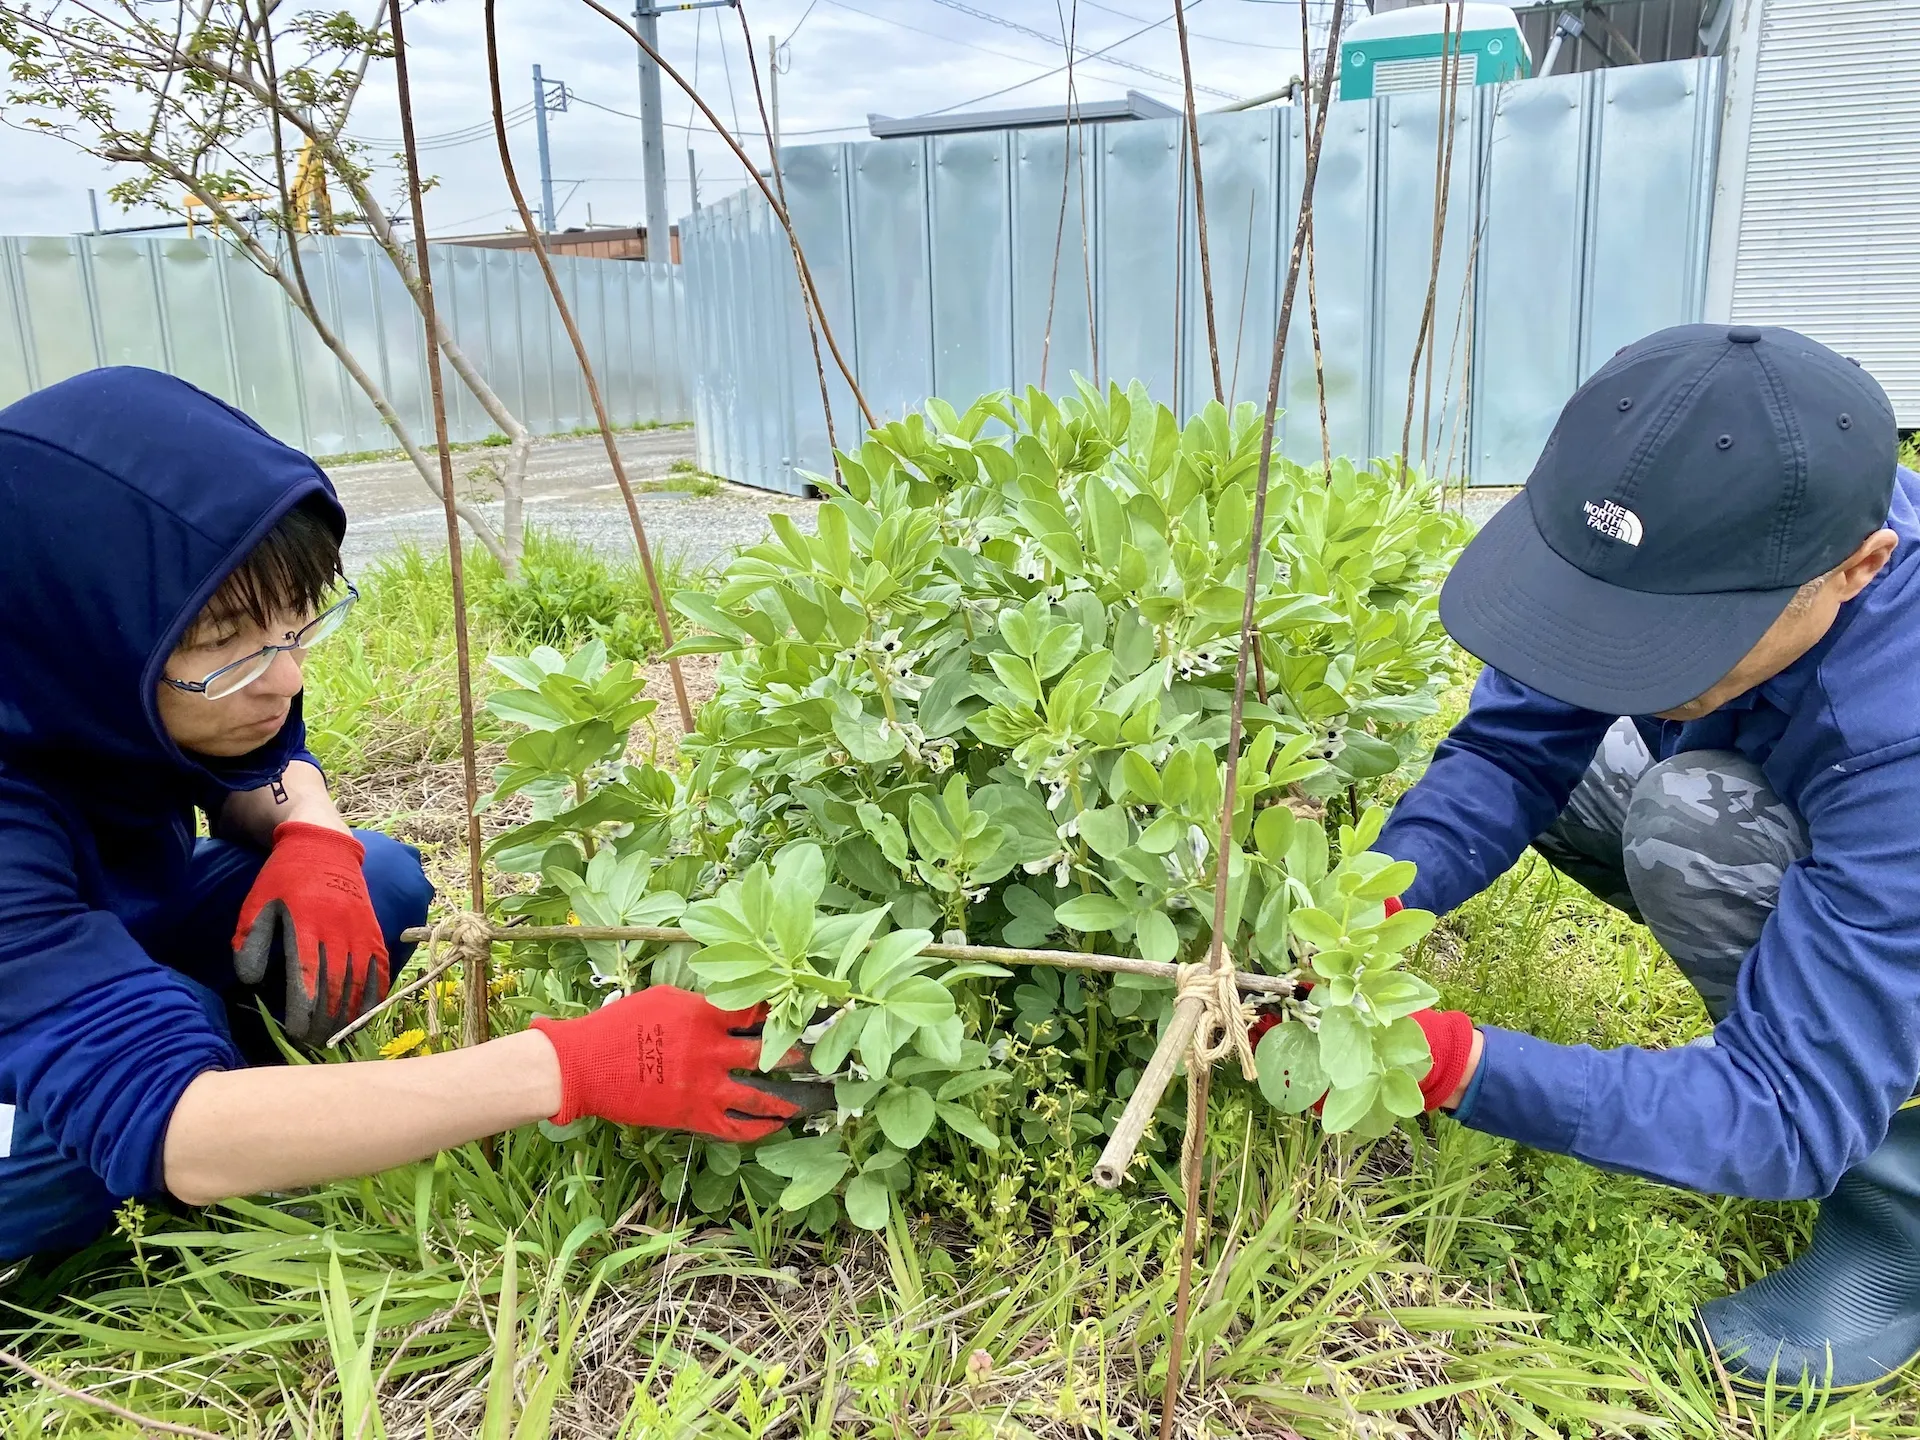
[243, 672]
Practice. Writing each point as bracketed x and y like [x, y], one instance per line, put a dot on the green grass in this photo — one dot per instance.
[1438, 1283]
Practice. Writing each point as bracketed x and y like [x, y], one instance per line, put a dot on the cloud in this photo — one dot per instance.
[846, 58]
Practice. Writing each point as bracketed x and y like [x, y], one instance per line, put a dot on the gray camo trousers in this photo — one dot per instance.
[1694, 847]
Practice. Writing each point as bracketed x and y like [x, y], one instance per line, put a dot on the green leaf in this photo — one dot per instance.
[1365, 757]
[1163, 834]
[905, 1114]
[1017, 675]
[1404, 930]
[948, 704]
[1153, 932]
[1288, 1057]
[815, 1179]
[1092, 914]
[1400, 1093]
[1032, 917]
[1388, 880]
[1403, 1045]
[1106, 830]
[1056, 652]
[967, 1123]
[916, 1000]
[1347, 1106]
[1393, 994]
[776, 1038]
[1346, 1046]
[1273, 832]
[1317, 928]
[868, 1202]
[869, 740]
[892, 955]
[830, 1051]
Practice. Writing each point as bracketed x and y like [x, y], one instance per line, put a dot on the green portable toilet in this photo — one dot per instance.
[1399, 52]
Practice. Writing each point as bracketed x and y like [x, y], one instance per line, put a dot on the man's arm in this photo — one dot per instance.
[251, 815]
[239, 1132]
[1819, 1048]
[1497, 781]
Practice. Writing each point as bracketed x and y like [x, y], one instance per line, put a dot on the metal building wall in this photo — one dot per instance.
[196, 308]
[1577, 220]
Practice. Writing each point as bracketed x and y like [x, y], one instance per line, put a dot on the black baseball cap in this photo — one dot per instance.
[1688, 489]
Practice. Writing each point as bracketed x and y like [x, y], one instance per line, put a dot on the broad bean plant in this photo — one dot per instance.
[987, 701]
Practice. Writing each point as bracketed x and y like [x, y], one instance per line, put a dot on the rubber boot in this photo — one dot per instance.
[1845, 1315]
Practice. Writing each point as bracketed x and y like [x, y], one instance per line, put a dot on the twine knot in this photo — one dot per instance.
[1224, 1019]
[466, 932]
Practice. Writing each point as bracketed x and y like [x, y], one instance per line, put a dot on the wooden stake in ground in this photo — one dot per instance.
[660, 615]
[1197, 1074]
[476, 976]
[1199, 202]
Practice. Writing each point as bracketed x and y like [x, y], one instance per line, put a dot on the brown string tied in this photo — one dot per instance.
[1222, 1030]
[468, 937]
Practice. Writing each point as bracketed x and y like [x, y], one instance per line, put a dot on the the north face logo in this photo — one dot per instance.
[1616, 522]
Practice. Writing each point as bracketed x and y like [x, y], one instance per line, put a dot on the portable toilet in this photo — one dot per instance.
[1399, 52]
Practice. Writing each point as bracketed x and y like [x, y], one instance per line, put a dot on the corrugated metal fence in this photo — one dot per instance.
[1577, 220]
[198, 309]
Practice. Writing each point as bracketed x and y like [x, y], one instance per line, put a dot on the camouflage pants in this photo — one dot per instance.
[1694, 847]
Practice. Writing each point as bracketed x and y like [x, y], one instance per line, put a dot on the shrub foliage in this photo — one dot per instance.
[988, 701]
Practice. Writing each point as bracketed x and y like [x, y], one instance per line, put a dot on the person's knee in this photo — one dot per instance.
[1706, 823]
[396, 882]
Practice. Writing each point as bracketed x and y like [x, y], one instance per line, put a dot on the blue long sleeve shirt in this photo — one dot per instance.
[1822, 1041]
[126, 498]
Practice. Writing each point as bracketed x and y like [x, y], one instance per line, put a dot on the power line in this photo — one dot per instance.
[577, 98]
[936, 35]
[1162, 76]
[1048, 74]
[1193, 34]
[801, 21]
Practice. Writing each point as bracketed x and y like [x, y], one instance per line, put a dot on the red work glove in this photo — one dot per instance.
[665, 1058]
[309, 905]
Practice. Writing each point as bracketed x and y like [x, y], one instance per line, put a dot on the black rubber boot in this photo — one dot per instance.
[1845, 1315]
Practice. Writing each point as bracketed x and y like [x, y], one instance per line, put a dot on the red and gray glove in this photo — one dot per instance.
[1449, 1037]
[309, 905]
[665, 1058]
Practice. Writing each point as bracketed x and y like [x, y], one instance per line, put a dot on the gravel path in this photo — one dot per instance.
[570, 490]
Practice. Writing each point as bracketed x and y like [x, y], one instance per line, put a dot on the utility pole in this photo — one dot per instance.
[693, 179]
[653, 143]
[548, 95]
[93, 204]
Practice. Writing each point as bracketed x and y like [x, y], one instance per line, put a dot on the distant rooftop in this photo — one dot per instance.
[1135, 107]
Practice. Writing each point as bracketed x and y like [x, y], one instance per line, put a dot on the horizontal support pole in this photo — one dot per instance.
[991, 954]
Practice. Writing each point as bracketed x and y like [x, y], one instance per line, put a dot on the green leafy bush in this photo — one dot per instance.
[988, 701]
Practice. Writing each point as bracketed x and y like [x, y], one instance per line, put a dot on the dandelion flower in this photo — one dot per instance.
[405, 1043]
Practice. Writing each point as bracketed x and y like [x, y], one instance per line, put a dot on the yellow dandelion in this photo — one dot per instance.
[446, 989]
[572, 919]
[505, 984]
[405, 1043]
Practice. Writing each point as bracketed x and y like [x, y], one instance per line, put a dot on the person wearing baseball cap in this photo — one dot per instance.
[1701, 627]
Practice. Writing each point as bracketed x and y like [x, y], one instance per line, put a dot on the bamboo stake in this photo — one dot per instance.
[1442, 162]
[1313, 293]
[476, 978]
[614, 459]
[1199, 202]
[1111, 1168]
[1216, 954]
[753, 173]
[1068, 145]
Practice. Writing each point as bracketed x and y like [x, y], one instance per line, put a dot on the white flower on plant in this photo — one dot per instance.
[1198, 844]
[938, 756]
[974, 897]
[1063, 872]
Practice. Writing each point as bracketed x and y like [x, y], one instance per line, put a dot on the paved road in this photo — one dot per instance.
[570, 490]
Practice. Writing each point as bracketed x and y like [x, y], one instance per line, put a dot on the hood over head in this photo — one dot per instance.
[126, 498]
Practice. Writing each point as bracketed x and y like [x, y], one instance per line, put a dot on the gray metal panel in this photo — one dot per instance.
[1647, 257]
[1139, 260]
[971, 266]
[1527, 347]
[16, 361]
[893, 300]
[1344, 273]
[127, 302]
[1053, 187]
[58, 307]
[1239, 168]
[193, 314]
[1404, 273]
[816, 187]
[666, 347]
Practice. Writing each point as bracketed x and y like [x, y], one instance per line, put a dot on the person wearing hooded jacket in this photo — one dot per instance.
[167, 564]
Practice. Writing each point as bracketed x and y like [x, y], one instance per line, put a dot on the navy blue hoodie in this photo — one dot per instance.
[126, 497]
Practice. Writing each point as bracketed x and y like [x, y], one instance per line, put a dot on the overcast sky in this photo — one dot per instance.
[842, 58]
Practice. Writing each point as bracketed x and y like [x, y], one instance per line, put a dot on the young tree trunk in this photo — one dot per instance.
[268, 264]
